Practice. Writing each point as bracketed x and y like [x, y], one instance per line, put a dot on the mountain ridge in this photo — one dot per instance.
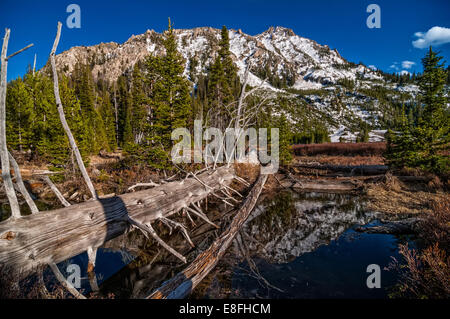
[278, 48]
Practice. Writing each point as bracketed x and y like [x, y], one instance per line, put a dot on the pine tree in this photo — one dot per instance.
[19, 113]
[433, 128]
[425, 145]
[223, 85]
[170, 99]
[125, 135]
[139, 106]
[107, 114]
[95, 132]
[285, 137]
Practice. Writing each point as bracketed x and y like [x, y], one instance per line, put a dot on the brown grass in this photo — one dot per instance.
[342, 160]
[347, 149]
[395, 197]
[426, 274]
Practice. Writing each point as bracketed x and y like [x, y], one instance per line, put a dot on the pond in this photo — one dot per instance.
[305, 246]
[297, 245]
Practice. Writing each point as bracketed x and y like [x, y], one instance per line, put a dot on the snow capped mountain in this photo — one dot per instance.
[309, 64]
[314, 77]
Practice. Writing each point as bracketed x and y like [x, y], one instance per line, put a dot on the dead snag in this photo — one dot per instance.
[62, 117]
[6, 175]
[184, 282]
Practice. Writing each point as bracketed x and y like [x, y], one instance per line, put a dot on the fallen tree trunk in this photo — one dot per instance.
[184, 282]
[399, 227]
[33, 172]
[325, 185]
[352, 169]
[56, 235]
[320, 185]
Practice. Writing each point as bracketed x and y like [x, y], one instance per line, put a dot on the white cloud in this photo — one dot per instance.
[394, 66]
[372, 67]
[435, 36]
[403, 72]
[407, 64]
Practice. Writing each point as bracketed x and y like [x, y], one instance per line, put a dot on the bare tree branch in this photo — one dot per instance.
[22, 187]
[21, 50]
[65, 283]
[62, 117]
[56, 191]
[149, 229]
[150, 184]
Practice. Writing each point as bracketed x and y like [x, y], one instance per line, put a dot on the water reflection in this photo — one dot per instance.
[291, 224]
[302, 243]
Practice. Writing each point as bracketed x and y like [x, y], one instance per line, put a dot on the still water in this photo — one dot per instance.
[299, 245]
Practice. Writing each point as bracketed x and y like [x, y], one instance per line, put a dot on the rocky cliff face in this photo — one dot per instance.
[278, 50]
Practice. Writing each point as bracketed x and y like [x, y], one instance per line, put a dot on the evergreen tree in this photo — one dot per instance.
[433, 128]
[139, 106]
[425, 145]
[124, 101]
[170, 99]
[94, 130]
[19, 113]
[285, 137]
[107, 114]
[223, 85]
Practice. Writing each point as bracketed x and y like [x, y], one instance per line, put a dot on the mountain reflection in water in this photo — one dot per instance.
[304, 245]
[301, 243]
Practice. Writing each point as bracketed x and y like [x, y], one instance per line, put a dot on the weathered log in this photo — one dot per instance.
[184, 282]
[56, 235]
[352, 169]
[320, 185]
[25, 172]
[325, 185]
[398, 227]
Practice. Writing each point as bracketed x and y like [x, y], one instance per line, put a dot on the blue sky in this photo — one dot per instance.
[339, 24]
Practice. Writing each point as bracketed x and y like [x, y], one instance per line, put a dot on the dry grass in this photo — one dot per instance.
[342, 160]
[347, 149]
[426, 274]
[394, 197]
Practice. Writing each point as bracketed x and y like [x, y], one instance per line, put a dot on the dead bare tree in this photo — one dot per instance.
[4, 154]
[62, 117]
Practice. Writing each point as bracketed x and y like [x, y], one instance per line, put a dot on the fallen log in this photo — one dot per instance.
[320, 185]
[56, 235]
[399, 227]
[325, 185]
[33, 172]
[352, 169]
[184, 282]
